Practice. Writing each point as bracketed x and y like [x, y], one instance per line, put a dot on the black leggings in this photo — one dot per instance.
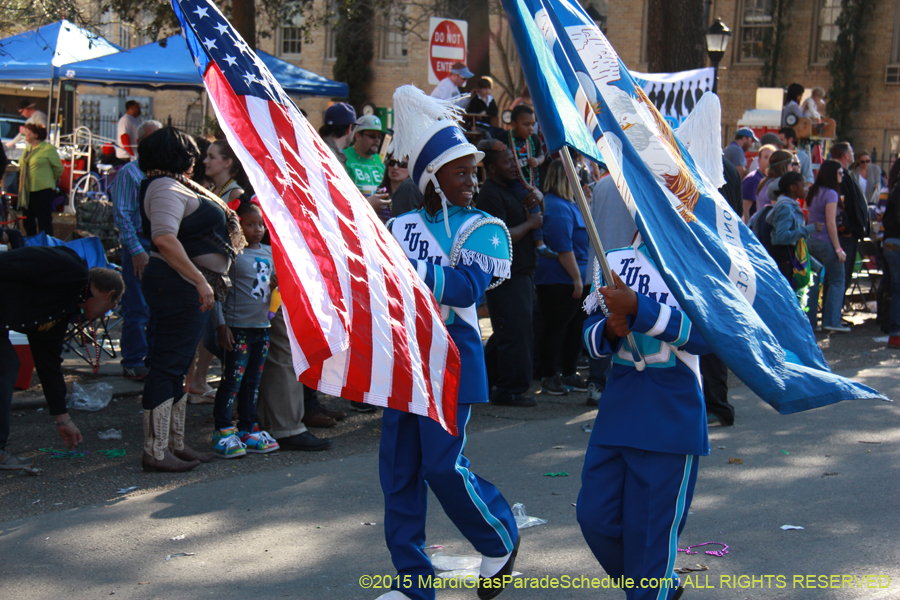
[563, 318]
[40, 209]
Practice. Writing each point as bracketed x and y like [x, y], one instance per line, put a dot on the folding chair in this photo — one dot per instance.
[92, 252]
[865, 270]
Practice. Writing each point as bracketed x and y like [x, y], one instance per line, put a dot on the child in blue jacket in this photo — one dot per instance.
[641, 464]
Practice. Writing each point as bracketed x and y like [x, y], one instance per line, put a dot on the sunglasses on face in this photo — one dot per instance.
[397, 163]
[864, 162]
[372, 136]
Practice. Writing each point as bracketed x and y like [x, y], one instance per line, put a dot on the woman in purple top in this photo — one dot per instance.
[825, 246]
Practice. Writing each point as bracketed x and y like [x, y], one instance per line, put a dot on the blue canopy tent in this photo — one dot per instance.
[172, 67]
[36, 56]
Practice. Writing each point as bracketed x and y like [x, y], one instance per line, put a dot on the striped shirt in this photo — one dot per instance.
[125, 191]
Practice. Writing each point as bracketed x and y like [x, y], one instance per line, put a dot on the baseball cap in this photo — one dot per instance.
[744, 132]
[462, 70]
[23, 104]
[368, 123]
[340, 113]
[771, 138]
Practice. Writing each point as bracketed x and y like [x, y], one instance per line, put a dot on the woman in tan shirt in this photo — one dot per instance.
[194, 237]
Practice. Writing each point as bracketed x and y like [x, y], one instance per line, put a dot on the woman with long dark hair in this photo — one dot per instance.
[194, 237]
[825, 246]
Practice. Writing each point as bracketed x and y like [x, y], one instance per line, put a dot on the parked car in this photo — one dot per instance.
[9, 128]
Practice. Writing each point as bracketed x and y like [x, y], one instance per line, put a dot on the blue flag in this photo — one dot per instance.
[721, 275]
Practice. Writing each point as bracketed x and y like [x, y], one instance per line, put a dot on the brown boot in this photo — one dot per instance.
[176, 435]
[156, 442]
[318, 419]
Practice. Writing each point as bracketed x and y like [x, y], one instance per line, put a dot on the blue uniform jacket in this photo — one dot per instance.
[660, 409]
[484, 256]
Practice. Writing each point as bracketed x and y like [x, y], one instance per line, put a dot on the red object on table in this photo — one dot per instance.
[26, 362]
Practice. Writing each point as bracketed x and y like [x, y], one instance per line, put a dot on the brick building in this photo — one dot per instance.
[402, 57]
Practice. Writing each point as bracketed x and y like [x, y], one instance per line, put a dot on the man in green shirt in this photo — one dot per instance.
[363, 161]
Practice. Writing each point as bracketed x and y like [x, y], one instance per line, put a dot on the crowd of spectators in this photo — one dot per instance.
[187, 300]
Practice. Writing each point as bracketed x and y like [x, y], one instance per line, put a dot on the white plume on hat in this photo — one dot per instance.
[701, 132]
[414, 113]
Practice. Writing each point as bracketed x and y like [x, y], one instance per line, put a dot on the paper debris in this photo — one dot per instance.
[179, 554]
[126, 490]
[787, 527]
[177, 538]
[735, 461]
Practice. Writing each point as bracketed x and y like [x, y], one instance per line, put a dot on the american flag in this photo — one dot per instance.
[362, 325]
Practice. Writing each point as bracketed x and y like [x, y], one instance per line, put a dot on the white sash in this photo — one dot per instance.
[417, 241]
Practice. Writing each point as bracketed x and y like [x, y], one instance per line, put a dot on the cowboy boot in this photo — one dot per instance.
[176, 435]
[156, 442]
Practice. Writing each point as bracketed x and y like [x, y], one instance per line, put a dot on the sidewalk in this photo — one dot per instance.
[299, 532]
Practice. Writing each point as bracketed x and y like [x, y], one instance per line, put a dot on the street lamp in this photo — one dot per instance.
[716, 41]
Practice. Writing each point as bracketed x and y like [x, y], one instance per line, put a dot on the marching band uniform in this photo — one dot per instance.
[641, 464]
[457, 252]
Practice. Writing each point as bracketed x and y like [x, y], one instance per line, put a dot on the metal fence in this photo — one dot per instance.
[105, 126]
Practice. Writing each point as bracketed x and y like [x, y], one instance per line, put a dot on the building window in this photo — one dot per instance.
[395, 35]
[330, 25]
[291, 40]
[895, 39]
[825, 30]
[756, 26]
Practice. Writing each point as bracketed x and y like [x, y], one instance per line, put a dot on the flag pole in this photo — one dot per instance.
[581, 201]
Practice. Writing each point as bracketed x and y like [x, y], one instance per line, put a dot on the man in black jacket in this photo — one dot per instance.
[42, 290]
[510, 350]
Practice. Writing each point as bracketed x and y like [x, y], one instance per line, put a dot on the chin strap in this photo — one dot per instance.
[444, 202]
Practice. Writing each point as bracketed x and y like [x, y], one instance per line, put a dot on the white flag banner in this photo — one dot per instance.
[675, 94]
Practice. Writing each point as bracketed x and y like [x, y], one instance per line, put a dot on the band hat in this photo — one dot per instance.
[426, 130]
[462, 70]
[340, 113]
[440, 144]
[368, 123]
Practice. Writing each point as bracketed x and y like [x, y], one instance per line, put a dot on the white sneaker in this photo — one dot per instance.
[837, 328]
[593, 394]
[393, 595]
[8, 462]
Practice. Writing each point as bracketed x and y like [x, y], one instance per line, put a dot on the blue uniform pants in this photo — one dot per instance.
[417, 453]
[632, 507]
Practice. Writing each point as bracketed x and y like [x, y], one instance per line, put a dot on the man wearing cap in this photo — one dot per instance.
[734, 152]
[32, 115]
[448, 88]
[337, 132]
[363, 161]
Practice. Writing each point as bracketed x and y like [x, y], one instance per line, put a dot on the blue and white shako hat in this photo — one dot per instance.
[426, 131]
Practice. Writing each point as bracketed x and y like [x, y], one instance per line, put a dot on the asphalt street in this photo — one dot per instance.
[313, 531]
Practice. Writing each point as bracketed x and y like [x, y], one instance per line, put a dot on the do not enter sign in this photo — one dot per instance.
[446, 45]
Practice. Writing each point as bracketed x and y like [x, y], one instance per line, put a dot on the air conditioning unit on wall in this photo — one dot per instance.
[892, 76]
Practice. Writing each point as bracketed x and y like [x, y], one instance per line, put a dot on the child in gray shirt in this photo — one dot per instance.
[242, 328]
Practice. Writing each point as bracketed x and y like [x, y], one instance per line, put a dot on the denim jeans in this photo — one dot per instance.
[241, 372]
[834, 284]
[178, 322]
[892, 258]
[135, 315]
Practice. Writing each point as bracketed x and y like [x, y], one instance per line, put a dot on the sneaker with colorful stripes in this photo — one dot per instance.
[258, 442]
[227, 444]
